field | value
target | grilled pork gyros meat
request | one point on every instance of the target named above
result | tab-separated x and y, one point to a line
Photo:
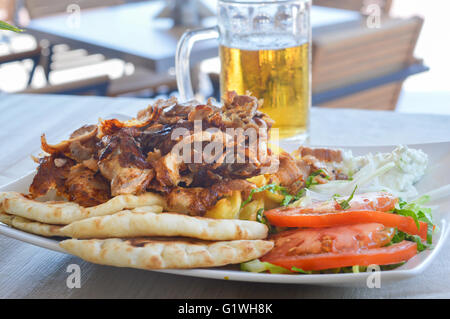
143	154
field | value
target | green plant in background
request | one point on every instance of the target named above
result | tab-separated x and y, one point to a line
6	26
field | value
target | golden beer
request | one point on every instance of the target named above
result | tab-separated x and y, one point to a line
280	77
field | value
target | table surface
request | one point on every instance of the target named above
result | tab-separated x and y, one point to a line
27	271
139	38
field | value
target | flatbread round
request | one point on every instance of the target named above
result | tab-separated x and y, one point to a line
5	218
144	222
30	226
147	253
63	213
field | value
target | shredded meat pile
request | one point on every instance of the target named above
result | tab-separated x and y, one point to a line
295	168
187	152
143	154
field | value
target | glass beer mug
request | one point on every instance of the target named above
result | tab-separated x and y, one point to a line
265	48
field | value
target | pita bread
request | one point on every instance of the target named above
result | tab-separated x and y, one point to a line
63	213
30	226
5	218
147	253
145	223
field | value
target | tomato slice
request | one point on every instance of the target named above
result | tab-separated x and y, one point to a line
364	208
332	239
375	201
293	217
342	246
394	254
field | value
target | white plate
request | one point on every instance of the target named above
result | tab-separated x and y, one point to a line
438	175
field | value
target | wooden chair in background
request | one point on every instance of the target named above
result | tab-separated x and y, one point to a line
350	56
354	66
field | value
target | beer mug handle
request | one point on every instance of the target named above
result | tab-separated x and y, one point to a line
182	65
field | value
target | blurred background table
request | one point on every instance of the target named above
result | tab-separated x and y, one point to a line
137	36
27	271
361	55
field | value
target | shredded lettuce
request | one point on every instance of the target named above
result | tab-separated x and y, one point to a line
355	269
259	266
362	178
295	269
302	202
394	172
273	188
400	236
419	213
6	26
260	217
288	198
310	180
345	204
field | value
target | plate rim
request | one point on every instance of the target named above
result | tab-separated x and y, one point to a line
234	275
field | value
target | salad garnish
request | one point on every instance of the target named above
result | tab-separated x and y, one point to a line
418	212
345	204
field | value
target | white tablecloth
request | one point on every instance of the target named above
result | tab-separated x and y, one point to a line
29	271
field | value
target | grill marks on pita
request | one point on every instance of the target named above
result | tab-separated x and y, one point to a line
63	212
149	222
159	253
31	226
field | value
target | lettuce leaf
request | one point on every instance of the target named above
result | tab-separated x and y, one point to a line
345	204
400	236
274	188
310	180
419	213
6	26
259	266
